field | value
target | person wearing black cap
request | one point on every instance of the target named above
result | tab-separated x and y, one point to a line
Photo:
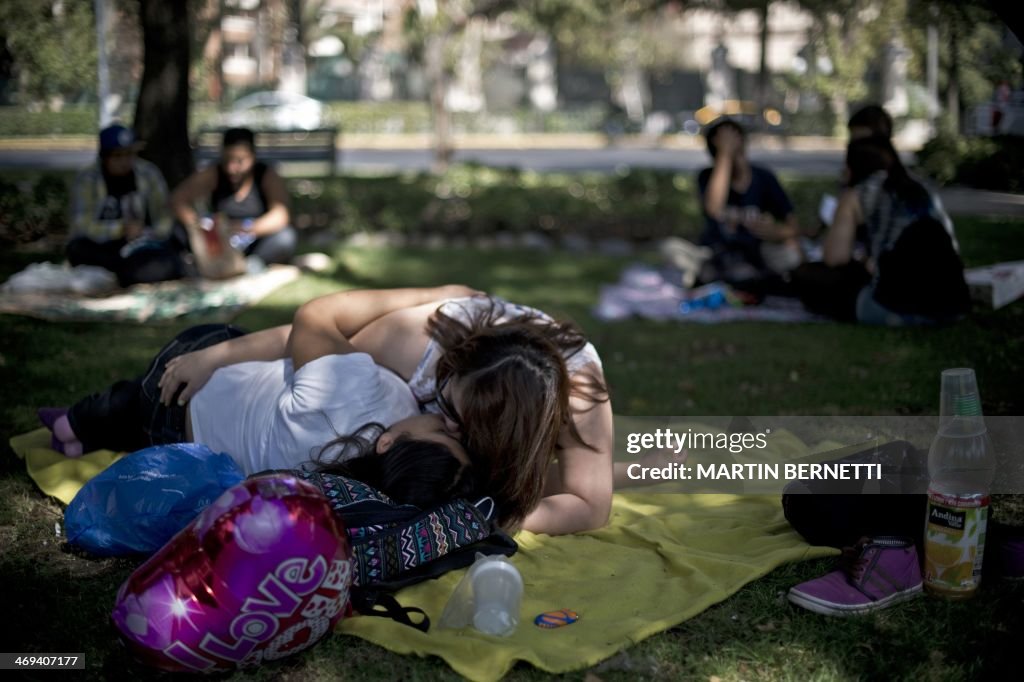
246	192
119	214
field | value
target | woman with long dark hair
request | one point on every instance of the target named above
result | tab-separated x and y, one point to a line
913	270
245	191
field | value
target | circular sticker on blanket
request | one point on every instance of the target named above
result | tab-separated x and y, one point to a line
556	619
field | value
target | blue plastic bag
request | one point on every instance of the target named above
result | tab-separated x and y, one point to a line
142	500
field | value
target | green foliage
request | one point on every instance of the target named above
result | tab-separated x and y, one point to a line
850	34
351	117
71	120
474	200
32	206
994	163
54	47
982	57
638	204
609	35
940	156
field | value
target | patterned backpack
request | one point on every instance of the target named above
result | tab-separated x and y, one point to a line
396	545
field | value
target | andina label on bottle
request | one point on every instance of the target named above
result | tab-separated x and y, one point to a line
954	542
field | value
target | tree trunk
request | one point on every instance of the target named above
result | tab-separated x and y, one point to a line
161	113
762	76
953	81
438	81
840	99
840	109
218	63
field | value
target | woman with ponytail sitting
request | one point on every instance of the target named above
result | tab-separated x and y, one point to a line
913	273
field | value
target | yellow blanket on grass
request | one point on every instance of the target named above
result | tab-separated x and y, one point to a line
664	558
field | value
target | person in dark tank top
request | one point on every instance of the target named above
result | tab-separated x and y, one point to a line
247	192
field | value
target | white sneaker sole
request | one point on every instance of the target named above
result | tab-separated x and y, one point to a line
831	609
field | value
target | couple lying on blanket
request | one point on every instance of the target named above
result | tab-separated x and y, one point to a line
429	393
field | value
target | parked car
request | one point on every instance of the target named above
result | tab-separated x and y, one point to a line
275	110
743	112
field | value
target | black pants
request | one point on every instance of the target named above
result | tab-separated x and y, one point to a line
129	415
825	513
830	291
150	264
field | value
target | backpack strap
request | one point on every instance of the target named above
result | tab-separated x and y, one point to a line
369	602
487	507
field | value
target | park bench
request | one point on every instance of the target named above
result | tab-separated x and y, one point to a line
293	152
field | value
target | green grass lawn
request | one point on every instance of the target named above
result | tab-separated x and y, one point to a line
58	601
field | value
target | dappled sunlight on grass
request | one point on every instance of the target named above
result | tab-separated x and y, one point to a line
653	369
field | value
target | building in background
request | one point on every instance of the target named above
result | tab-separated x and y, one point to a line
291	45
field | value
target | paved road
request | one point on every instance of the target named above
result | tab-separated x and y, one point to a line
608	159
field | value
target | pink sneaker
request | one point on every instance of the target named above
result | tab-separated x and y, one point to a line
874	574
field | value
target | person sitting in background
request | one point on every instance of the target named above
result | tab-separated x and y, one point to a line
119	216
246	192
874	121
749	220
913	272
870	120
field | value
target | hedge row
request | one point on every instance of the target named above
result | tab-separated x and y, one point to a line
468	200
352	117
993	163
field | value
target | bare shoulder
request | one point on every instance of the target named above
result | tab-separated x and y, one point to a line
397	340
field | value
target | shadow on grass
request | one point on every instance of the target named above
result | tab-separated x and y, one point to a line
61	602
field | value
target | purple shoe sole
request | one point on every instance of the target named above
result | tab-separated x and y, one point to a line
827	608
49	416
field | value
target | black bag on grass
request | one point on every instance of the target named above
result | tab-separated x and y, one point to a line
830	291
395	545
838	513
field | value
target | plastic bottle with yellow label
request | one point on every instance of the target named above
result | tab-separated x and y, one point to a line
961	466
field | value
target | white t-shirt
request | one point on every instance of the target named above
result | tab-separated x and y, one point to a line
267	416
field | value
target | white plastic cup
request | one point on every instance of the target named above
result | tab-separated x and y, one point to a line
959	394
497	595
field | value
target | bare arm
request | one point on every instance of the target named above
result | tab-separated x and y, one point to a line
771	230
196	187
398	340
838	246
727	142
347	311
315	333
277	216
194	369
352	311
717	193
580	496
